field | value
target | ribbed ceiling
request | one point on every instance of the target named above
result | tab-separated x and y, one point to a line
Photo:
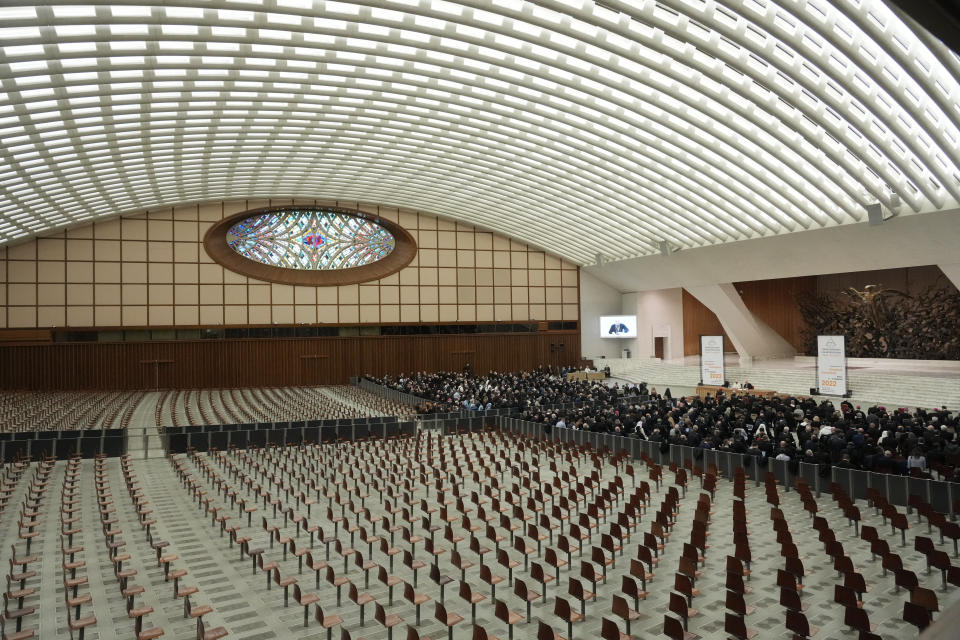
580	127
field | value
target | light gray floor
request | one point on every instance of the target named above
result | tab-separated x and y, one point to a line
249	611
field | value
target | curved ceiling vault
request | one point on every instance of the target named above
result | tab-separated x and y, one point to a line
577	126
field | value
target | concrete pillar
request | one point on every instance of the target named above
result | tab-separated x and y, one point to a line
752	337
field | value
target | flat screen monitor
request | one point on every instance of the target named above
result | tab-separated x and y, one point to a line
618	326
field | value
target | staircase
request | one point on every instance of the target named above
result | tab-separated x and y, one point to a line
869	387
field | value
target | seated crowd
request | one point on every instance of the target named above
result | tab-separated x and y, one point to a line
780	427
456	391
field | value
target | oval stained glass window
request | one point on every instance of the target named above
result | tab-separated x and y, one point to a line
306	245
311	240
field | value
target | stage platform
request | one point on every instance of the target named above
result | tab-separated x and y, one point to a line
907	383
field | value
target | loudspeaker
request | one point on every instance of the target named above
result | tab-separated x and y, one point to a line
665	249
875	214
813	391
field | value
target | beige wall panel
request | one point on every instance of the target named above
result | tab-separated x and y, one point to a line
80	232
448	295
22	294
20	317
186	315
52	272
283	313
465	258
161	294
448	313
571	312
211	273
80	295
24	251
484	277
305	313
134	272
211	294
369	313
106	249
210	212
327	295
159	230
349	294
539	312
79	316
554	312
133	294
51	294
413	313
79	272
133	251
459	274
188	294
51	316
106	294
235	314
186	252
107	230
134	229
107	316
282	294
427	239
484	313
211	314
237	294
389	313
427	257
21	271
52	249
259	314
349	314
446	257
160	272
160	252
389	295
106	272
327	314
77	250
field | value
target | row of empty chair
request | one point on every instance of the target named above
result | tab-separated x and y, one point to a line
238	406
55	410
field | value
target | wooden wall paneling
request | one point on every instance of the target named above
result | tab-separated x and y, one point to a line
699	320
775	302
270	362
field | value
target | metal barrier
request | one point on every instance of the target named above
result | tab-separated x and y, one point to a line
896	489
63	444
242	436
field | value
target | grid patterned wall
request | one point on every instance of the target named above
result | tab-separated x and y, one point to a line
151	269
